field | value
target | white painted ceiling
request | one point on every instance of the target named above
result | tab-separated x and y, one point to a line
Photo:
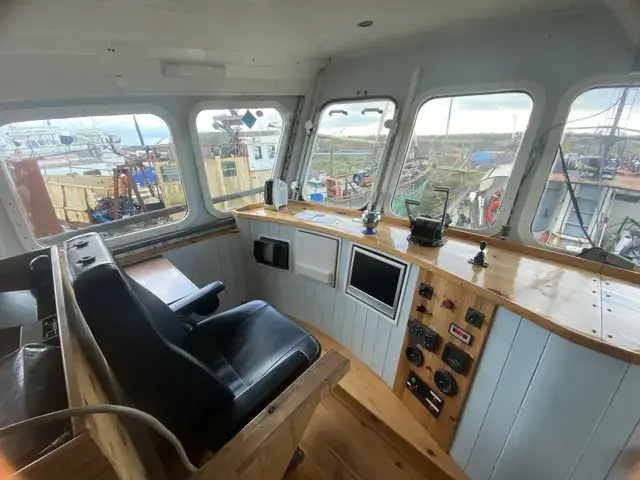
127	41
268	28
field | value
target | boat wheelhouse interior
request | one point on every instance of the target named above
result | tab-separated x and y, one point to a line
320	240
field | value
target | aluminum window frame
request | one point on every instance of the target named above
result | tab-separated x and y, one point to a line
281	152
538	98
10	199
543	170
386	152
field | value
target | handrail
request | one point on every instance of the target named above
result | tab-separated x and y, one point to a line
122	222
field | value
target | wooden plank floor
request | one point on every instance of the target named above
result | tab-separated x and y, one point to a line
363	431
339	444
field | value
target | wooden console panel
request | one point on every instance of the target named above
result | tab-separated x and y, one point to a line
581	301
449	304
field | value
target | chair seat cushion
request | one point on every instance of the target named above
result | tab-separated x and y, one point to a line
246	343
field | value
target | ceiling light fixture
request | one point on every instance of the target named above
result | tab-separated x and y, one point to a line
365	23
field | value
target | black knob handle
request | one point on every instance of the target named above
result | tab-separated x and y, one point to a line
483	245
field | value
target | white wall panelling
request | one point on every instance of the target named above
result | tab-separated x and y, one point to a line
497	349
543	407
534	410
218	258
369	334
515	378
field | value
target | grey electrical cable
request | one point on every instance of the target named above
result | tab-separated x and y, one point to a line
104	409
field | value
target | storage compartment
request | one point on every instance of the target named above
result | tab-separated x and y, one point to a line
316	257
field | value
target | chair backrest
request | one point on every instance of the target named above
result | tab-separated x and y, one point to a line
140	338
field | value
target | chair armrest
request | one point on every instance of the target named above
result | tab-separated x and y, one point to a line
203	302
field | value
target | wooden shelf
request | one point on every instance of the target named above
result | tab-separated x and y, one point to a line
561	293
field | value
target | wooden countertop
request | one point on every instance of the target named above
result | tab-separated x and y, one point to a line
161	278
580	304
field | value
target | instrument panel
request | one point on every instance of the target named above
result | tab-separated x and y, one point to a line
445	335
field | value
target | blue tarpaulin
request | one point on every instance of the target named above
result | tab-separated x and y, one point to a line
139	179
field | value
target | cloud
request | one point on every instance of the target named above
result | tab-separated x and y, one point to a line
204	120
495	101
153	128
596	99
486	113
333	121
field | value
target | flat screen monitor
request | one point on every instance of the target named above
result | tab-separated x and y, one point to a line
376	280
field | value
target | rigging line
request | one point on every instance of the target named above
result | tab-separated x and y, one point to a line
572	195
566	122
537	149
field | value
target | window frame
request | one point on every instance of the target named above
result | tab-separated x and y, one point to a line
538	98
543	170
9	197
230	166
386	153
282	148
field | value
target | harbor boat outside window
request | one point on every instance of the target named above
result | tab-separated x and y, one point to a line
347	152
468	144
601	152
74	173
239	150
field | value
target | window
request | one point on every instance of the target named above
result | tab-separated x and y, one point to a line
74	173
231	142
229	169
170	173
347	150
272	151
601	152
468	144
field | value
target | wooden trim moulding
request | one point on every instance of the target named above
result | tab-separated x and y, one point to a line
497	297
524	249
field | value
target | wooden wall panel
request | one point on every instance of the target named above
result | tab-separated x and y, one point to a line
370	335
439	317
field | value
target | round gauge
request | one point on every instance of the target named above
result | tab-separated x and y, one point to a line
445	382
414	355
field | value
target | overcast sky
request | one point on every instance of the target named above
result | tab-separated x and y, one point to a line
601	105
503	112
489	113
264	116
154	129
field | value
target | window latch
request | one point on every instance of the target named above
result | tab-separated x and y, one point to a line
308	127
